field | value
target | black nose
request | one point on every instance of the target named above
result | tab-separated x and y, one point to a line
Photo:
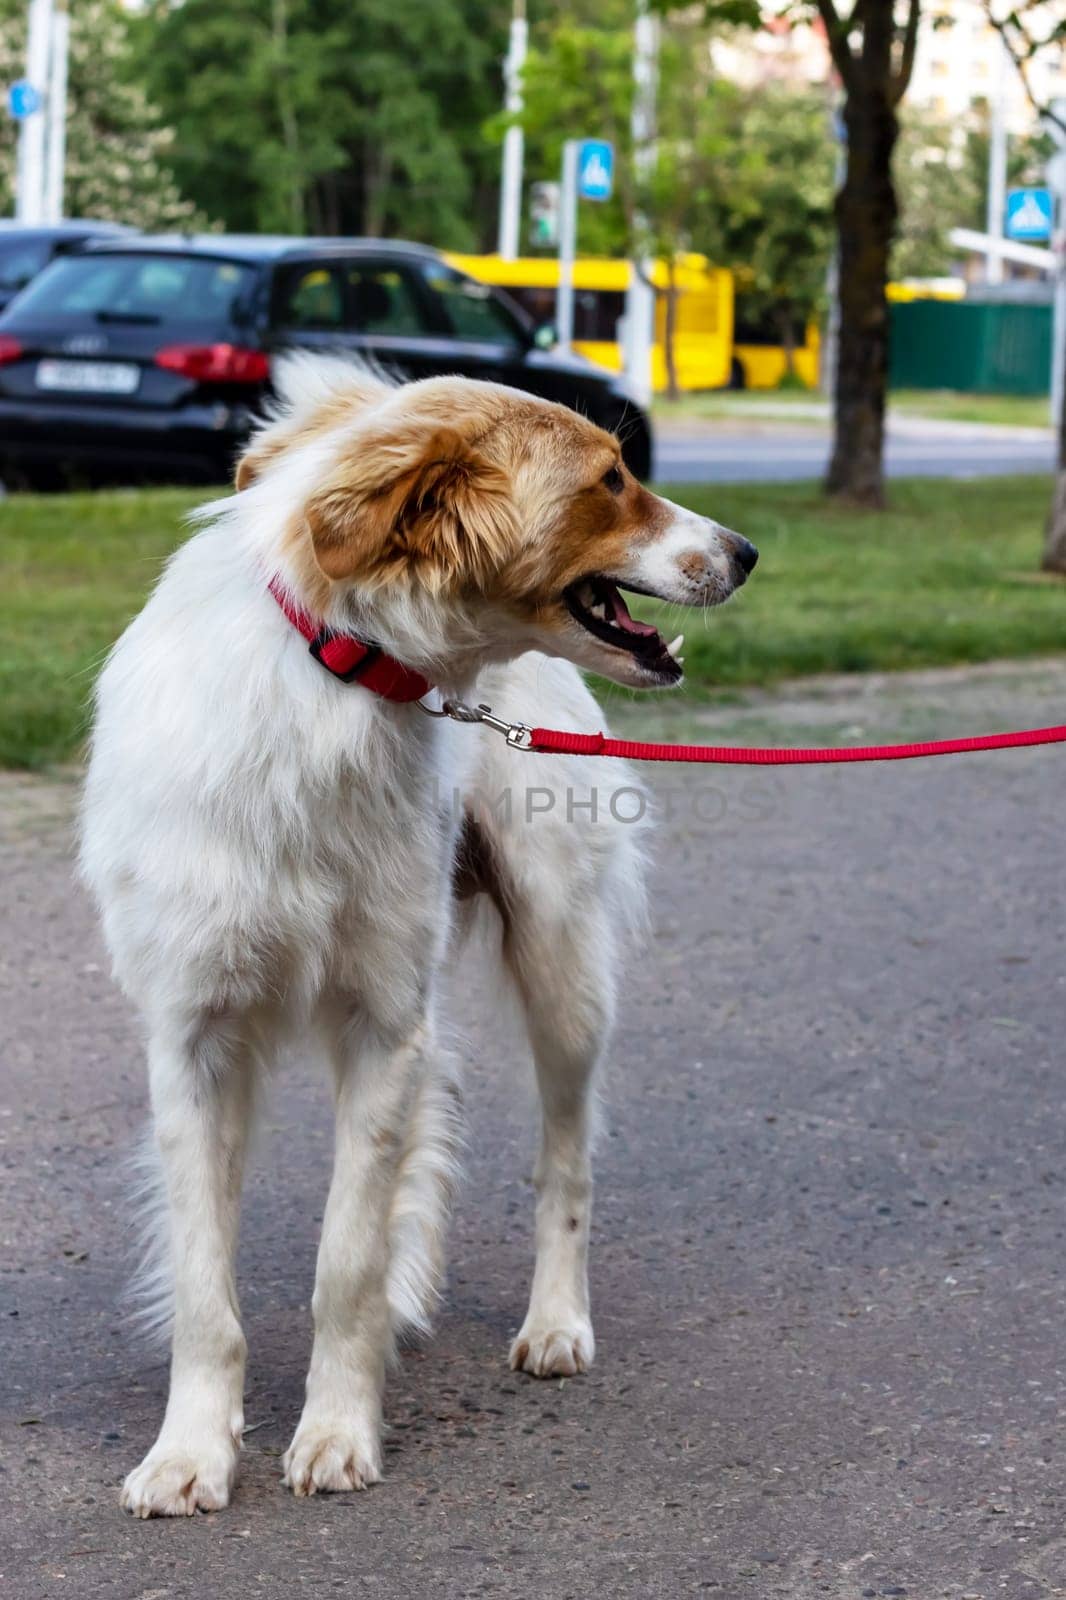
746	555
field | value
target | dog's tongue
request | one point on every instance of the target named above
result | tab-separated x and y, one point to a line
622	619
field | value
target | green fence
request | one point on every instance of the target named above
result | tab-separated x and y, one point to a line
979	348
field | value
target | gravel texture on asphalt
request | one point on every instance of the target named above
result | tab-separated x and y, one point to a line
828	1244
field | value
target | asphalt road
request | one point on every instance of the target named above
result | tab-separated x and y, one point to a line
829	1241
750	450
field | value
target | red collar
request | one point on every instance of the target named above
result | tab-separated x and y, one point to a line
350	659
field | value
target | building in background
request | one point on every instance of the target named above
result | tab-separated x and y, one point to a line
958	63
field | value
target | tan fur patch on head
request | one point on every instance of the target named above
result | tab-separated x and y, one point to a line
406	501
358	391
461	488
591	530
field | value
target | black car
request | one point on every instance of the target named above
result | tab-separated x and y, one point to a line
151	357
26	251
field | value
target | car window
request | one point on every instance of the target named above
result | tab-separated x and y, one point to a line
382	299
21	260
163	288
472	310
310	296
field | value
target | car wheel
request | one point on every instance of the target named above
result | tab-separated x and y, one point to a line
738	378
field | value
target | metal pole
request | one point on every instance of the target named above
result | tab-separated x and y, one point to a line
639	331
1055	125
57	114
564	295
513	142
1057	175
29	199
997	165
1058	332
827	376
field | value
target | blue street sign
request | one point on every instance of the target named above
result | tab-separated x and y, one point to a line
23	99
1029	214
595	169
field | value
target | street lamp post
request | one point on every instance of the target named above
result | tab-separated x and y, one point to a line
33	129
56	113
513	143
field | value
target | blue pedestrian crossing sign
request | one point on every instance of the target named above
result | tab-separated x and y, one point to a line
23	99
1029	214
595	169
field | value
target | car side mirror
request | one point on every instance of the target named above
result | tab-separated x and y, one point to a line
545	337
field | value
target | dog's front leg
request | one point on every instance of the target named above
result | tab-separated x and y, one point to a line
200	1075
337	1444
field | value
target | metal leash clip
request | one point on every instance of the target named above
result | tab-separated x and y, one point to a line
518	736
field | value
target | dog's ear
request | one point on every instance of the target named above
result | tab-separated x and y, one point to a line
252	463
424	502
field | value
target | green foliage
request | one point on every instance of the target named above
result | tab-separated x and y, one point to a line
578	82
744	177
773	200
334	116
947	579
118	148
941	173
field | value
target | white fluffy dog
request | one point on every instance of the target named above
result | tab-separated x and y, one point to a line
270	836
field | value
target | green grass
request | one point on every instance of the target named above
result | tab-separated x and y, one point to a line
1016	410
715	404
75	568
942	405
948	575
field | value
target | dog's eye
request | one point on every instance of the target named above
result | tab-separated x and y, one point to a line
613	480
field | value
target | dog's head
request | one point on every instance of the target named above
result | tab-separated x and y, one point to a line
514	516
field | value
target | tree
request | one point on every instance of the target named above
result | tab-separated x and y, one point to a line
744	178
774	212
335	116
872	44
118	147
1027	31
942	174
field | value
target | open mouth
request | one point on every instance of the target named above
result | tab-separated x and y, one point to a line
597	604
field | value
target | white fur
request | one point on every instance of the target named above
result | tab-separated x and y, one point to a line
660	567
271	851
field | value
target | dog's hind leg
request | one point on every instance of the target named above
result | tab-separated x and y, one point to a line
565	974
201	1080
557	846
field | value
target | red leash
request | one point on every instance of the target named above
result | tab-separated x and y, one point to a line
544	741
596	744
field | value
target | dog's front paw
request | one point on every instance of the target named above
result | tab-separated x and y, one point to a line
179	1480
331	1457
554	1351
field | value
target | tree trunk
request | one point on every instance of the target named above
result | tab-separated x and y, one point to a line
673	388
866	220
1055	541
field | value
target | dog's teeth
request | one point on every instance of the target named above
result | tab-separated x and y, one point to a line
675	645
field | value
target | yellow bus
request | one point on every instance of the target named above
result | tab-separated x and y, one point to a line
721	340
760	359
703	330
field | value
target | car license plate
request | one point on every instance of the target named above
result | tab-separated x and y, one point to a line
88	377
